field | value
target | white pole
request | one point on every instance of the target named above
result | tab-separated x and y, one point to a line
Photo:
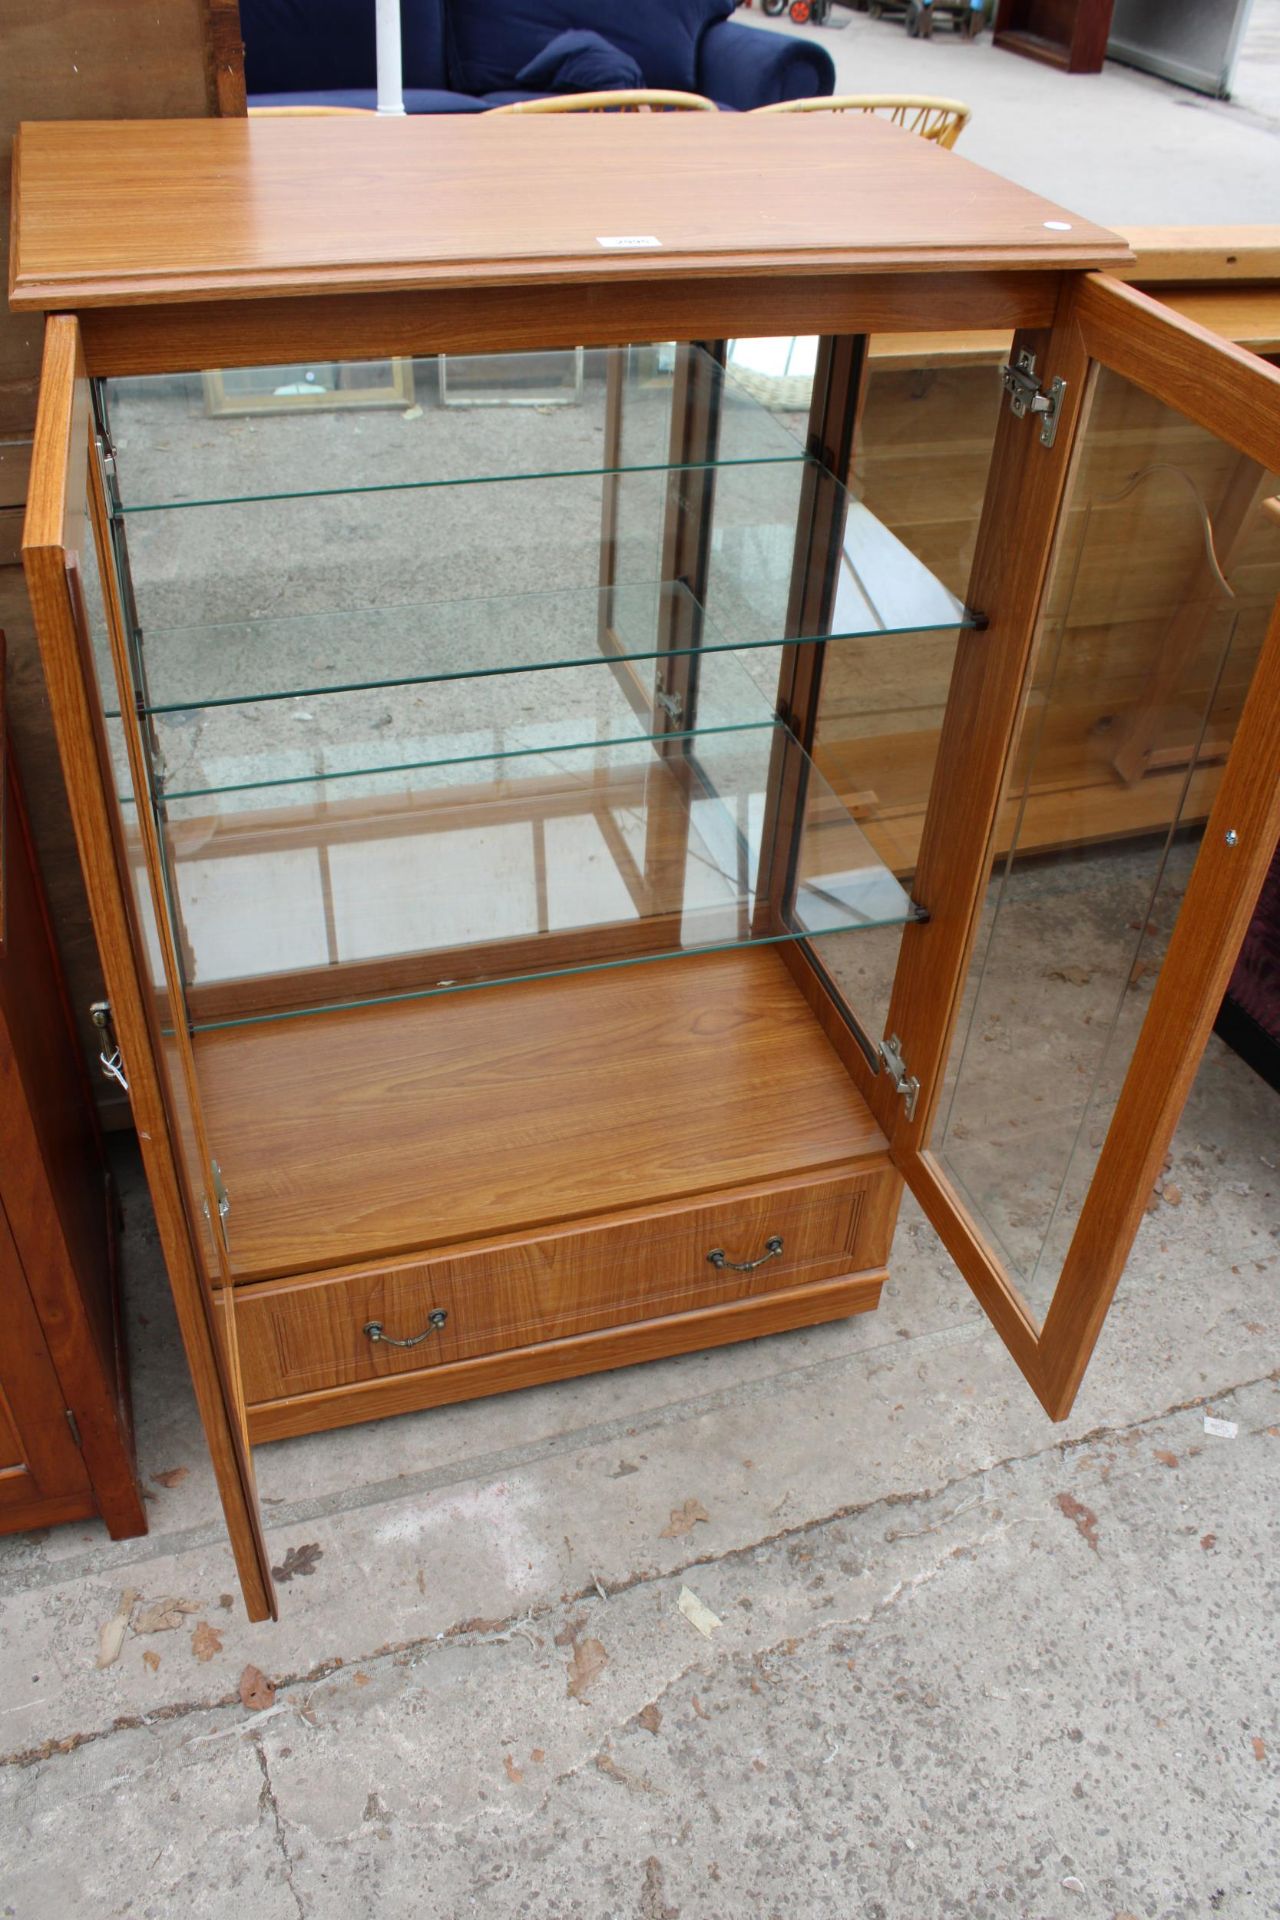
390	63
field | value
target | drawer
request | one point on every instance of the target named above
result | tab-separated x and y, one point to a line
304	1335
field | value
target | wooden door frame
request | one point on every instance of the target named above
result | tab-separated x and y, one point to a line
1235	396
56	530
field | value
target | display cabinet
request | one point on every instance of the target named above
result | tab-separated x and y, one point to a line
512	973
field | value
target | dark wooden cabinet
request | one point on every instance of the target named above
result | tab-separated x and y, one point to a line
66	1449
1063	33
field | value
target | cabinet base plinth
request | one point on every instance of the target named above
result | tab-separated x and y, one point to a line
564	1359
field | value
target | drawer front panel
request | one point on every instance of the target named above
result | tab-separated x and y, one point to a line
301	1336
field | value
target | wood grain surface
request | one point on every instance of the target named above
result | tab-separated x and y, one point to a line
355	1135
1238	846
1224	388
151	210
55	532
305	1335
532	1366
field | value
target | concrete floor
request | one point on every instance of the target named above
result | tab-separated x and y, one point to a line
966	1664
1120	147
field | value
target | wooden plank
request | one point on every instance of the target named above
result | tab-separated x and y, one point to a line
1186	254
178	338
492	1110
567	1359
145	211
1227	390
1250	315
55	531
1216	910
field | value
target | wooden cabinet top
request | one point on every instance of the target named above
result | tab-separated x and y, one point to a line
114	213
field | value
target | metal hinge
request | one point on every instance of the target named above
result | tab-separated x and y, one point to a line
1026	396
671	704
223	1199
74	1425
905	1083
110	478
109	1053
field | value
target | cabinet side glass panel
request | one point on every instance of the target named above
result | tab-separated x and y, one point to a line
921	456
166	1013
1166	573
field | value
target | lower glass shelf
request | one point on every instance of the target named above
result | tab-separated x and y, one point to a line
556	862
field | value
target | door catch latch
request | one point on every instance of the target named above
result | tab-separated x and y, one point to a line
109	1052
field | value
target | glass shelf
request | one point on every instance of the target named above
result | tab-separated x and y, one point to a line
881	589
548	863
240	757
195	440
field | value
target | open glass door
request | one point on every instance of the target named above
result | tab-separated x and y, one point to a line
82	626
1130	829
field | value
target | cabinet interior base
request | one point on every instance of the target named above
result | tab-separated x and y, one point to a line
365	1133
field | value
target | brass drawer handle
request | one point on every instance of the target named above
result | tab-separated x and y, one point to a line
719	1258
435	1320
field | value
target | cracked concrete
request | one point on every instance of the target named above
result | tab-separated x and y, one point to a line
951	1704
968	1662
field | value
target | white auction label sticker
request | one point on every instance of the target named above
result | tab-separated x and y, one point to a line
1225	1429
628	240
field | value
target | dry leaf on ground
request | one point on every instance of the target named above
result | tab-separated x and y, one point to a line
152	1660
515	1774
171	1477
111	1633
257	1692
1074	976
650	1717
299	1560
684	1519
162	1616
586	1663
206	1641
697	1613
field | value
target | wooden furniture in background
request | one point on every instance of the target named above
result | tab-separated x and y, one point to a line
130	59
924	442
441	1162
1062	33
66	1443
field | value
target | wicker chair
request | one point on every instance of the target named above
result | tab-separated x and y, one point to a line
623	100
941	121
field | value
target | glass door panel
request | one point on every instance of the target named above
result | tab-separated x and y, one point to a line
1132	824
1167	567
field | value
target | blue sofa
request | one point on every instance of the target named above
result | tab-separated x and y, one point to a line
463	56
